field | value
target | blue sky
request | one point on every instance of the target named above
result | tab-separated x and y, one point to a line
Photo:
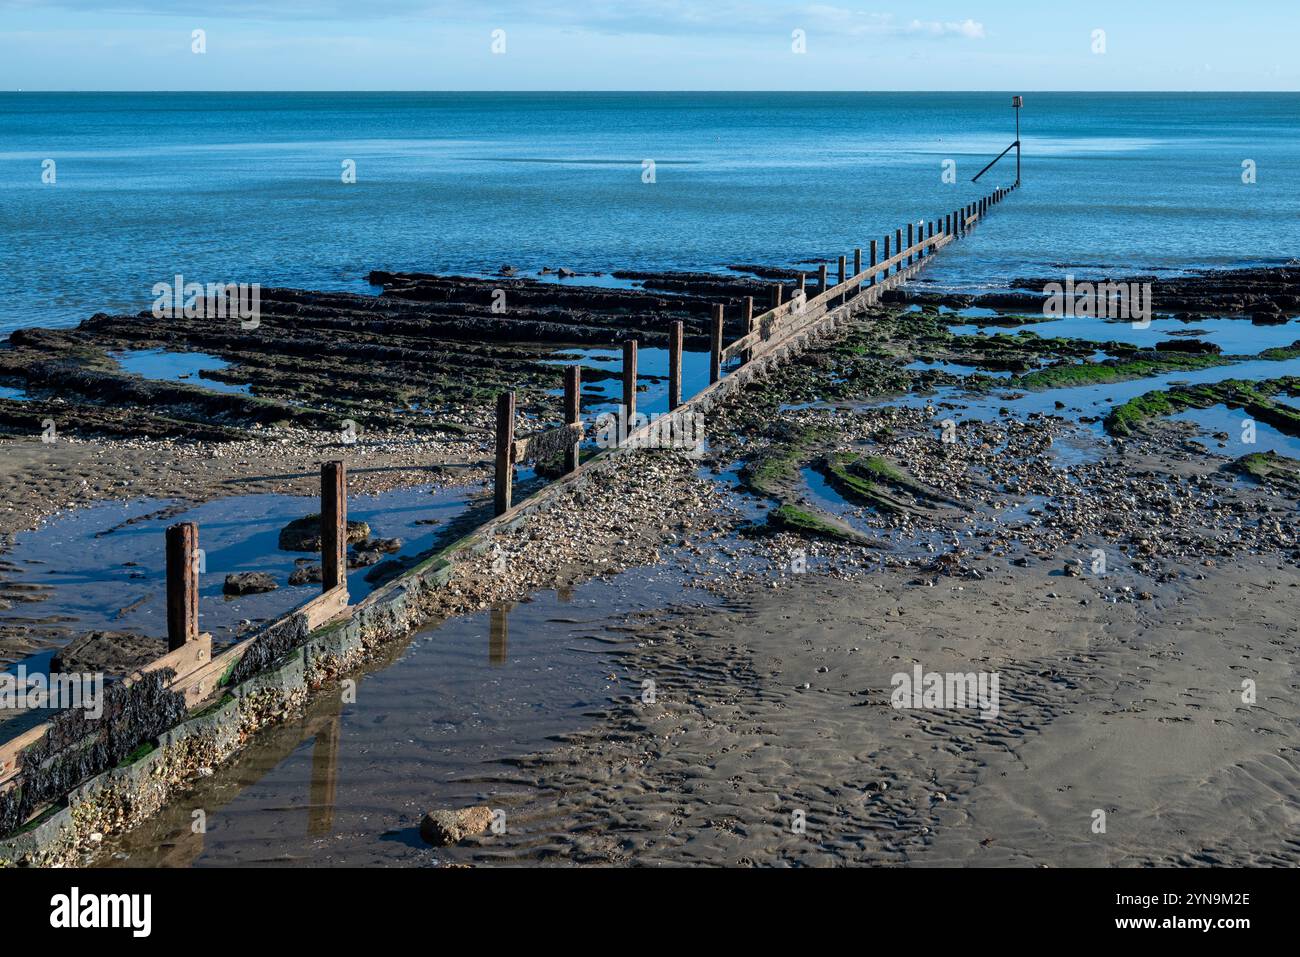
647	45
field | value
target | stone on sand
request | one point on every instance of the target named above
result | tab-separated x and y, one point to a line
248	583
443	827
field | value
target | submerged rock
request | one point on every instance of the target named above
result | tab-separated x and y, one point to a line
441	828
248	583
303	534
108	652
306	574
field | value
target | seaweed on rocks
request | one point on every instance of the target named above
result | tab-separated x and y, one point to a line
78	746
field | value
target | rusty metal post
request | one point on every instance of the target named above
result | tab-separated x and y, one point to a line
182	584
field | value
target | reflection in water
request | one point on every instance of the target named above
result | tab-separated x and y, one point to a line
324	777
432	721
499	632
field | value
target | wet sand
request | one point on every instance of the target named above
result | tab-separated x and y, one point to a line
782	703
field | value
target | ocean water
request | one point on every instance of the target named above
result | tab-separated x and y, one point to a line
248	187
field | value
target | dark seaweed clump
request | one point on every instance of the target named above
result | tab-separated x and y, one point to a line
77	747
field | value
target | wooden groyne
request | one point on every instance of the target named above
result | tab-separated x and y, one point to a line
71	776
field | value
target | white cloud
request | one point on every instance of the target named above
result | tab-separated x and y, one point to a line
968	28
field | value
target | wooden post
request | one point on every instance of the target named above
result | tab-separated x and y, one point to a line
777	290
931	237
857	260
843	267
898	251
910	241
629	381
747	314
573	415
821	279
333	525
675	364
505	471
715	346
871	280
803	284
182	584
886	274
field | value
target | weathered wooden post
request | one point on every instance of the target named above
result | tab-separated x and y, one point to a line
777	290
898	251
857	263
747	314
629	381
821	279
803	286
843	266
182	584
871	280
675	365
573	415
333	525
886	273
505	469
910	241
715	346
931	237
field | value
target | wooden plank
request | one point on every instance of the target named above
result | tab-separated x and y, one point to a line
10	750
324	607
189	657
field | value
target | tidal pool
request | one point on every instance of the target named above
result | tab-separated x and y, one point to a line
160	365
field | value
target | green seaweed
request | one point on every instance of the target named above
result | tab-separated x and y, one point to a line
1255	398
1117	370
791	518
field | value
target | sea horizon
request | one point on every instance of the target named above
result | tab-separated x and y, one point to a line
471	181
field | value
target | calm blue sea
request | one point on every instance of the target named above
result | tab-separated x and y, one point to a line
247	187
